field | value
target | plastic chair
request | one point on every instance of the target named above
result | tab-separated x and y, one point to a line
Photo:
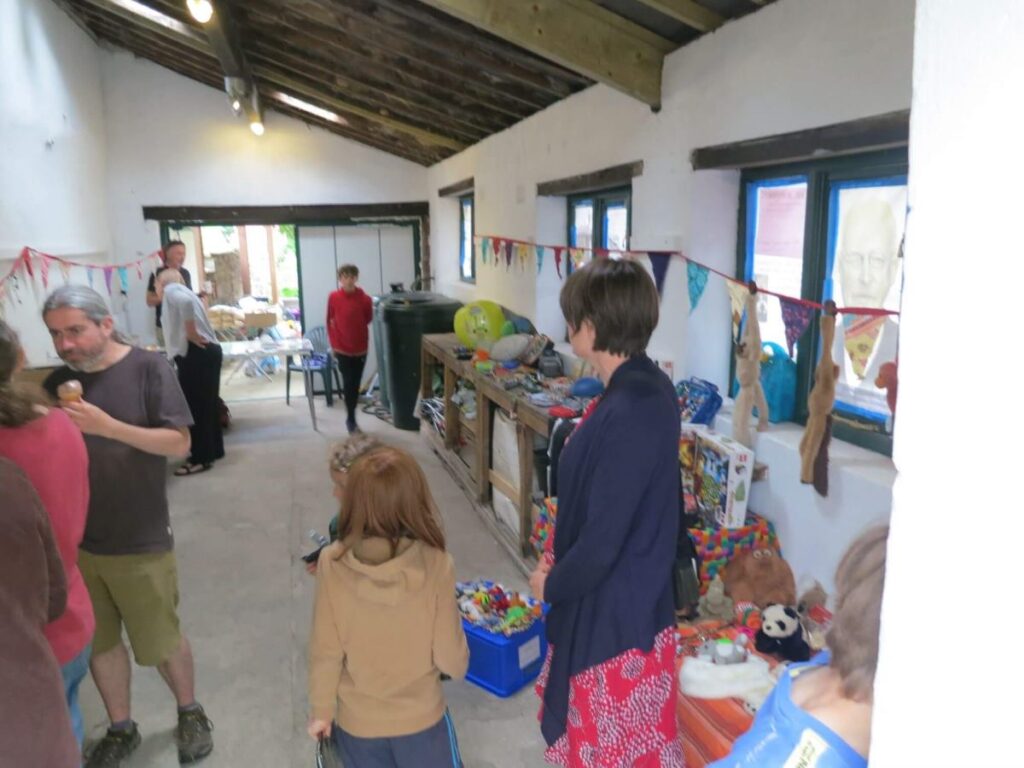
322	361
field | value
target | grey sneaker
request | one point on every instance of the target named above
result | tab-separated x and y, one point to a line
194	736
113	748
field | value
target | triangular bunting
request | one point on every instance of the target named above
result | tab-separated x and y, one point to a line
484	242
138	269
88	274
659	266
860	334
738	293
697	278
600	253
44	270
122	274
508	254
540	258
108	274
797	318
558	261
65	271
27	258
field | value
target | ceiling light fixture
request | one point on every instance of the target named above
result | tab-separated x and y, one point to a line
257	127
201	10
305	106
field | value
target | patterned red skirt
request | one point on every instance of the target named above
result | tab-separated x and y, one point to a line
622	713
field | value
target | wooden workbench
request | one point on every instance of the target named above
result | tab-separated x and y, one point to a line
471	466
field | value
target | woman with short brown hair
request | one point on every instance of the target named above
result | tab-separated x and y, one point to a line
609	684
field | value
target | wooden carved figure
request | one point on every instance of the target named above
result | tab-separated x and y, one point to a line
821	399
748	372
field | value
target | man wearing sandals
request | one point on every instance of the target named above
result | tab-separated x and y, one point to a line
192	342
133	416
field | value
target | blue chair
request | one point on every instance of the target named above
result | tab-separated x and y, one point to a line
321	361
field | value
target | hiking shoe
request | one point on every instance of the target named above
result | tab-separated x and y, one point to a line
113	748
194	736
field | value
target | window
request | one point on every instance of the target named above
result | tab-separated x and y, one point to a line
600	220
832	229
467	253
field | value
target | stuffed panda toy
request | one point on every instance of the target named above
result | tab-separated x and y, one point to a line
782	634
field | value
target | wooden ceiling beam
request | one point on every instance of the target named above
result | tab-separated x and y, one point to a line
471	94
577	34
320	21
691	13
192	38
384	94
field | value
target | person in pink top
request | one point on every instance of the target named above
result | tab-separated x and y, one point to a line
45	444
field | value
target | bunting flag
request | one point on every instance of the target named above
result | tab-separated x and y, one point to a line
138	269
65	271
108	274
697	277
659	266
600	253
558	260
122	273
578	256
483	249
797	318
508	254
44	271
540	258
860	334
25	257
738	293
88	274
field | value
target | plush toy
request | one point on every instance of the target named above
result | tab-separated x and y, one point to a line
748	373
725	651
819	406
888	380
813	596
760	576
715	604
782	634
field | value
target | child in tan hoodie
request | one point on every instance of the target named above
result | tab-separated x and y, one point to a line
386	624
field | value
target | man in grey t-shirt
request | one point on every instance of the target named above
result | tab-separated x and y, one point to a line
133	416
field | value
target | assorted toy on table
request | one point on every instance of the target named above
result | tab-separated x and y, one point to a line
782	634
715	604
544	526
748	372
488	605
760	576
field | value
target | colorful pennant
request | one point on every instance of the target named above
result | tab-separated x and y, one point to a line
860	334
540	258
797	317
659	266
697	277
108	274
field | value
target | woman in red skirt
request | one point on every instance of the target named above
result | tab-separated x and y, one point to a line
608	685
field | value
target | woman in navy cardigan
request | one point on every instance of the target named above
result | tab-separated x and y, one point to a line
609	684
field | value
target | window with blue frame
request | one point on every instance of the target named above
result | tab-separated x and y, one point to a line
467	252
600	220
832	229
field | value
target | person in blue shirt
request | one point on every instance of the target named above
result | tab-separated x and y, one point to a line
819	714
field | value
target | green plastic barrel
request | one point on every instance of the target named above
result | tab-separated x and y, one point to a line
406	318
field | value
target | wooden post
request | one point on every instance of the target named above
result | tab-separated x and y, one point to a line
483	445
451	411
426	278
524	436
243	254
273	264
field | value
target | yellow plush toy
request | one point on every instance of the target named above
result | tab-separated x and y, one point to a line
748	372
819	406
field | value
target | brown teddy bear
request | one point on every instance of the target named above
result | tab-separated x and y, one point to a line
748	373
760	576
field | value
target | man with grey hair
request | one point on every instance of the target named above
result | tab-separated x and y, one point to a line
133	416
190	338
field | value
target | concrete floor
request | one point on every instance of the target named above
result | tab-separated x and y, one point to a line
246	598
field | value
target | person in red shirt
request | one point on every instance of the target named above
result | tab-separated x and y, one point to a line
45	445
349	311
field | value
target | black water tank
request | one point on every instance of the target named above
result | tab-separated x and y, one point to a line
407	317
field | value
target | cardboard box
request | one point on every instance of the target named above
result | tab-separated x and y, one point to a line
266	319
723	472
687	459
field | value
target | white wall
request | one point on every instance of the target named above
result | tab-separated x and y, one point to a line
173	141
795	64
52	149
954	546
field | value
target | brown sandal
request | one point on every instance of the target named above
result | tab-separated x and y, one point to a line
191	469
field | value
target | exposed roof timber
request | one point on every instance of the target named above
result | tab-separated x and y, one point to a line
689	12
197	66
194	39
386	53
576	34
281	214
606	178
224	38
463	187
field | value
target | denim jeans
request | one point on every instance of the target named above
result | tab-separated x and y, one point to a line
74	673
436	747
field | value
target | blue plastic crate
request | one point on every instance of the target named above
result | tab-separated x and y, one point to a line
503	665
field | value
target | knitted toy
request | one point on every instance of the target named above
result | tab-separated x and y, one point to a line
760	576
748	372
819	404
715	604
888	380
